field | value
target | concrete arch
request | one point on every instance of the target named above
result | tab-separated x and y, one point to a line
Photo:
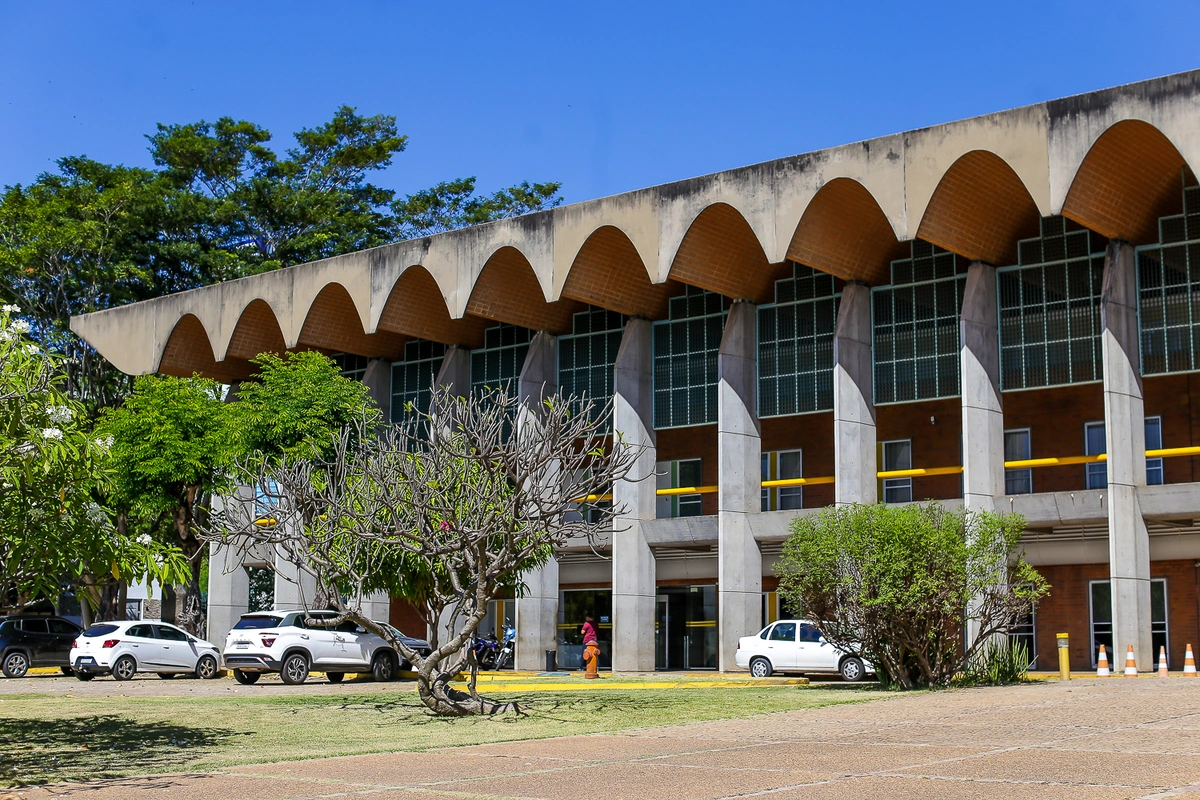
188	351
416	307
980	209
844	232
507	290
721	253
608	272
332	323
256	331
1129	178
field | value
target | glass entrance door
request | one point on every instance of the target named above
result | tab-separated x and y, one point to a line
685	629
1102	622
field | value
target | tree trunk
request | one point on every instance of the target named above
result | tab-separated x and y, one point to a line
188	613
444	700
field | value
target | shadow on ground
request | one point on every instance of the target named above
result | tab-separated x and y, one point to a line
34	751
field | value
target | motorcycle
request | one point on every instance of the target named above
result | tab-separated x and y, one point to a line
508	646
486	649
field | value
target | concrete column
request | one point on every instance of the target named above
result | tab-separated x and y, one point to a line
228	592
982	409
378	380
455	371
1125	432
739	454
537	611
294	588
854	462
633	566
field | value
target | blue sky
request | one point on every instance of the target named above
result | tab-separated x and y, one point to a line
604	97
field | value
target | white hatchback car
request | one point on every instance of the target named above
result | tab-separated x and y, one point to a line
127	648
795	645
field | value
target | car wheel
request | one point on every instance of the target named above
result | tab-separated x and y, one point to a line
335	677
67	671
206	668
124	668
295	669
166	676
383	667
84	676
246	678
760	668
852	669
16	665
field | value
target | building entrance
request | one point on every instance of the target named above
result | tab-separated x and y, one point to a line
685	627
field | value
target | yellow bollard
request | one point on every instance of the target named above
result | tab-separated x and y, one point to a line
1064	657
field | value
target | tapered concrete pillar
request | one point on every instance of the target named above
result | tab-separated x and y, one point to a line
739	455
633	565
982	409
228	591
378	379
853	401
294	588
1125	432
537	611
455	372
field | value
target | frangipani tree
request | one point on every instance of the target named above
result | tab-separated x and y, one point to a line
447	510
54	475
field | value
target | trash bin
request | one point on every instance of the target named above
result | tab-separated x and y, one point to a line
551	661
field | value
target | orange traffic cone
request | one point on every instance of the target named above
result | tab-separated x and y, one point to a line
1189	663
1162	661
1102	664
1130	664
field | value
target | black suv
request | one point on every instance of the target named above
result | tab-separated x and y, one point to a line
33	641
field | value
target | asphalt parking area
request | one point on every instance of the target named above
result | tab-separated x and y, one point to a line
1083	739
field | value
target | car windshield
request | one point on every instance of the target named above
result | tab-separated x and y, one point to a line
255	623
100	630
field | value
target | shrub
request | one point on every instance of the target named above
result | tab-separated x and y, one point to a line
901	585
997	663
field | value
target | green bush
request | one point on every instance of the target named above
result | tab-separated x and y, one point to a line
999	662
902	584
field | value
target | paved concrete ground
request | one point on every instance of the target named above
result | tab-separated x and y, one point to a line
1084	739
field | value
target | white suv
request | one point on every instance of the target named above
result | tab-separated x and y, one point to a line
127	648
281	641
795	645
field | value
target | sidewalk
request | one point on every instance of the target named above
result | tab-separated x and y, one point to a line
1090	740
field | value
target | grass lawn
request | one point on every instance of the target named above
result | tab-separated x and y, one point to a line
56	738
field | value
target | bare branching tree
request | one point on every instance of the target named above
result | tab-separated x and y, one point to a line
447	509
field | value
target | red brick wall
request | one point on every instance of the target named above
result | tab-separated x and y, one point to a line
812	433
403	616
699	441
1056	418
1065	610
934	444
1170	397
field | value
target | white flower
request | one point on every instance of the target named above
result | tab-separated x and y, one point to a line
144	539
20	326
105	443
60	415
10	309
52	433
6	336
31	349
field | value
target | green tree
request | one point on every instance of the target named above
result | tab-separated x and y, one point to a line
296	405
53	473
454	204
174	442
901	584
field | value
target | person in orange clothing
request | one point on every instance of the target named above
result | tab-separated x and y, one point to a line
591	647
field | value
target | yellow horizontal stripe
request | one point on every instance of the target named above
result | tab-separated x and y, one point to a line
1168	452
797	482
686	490
912	473
704	623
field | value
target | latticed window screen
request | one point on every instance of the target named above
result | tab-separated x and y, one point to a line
685	359
795	345
412	378
587	358
1050	308
915	323
1169	289
351	366
498	363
